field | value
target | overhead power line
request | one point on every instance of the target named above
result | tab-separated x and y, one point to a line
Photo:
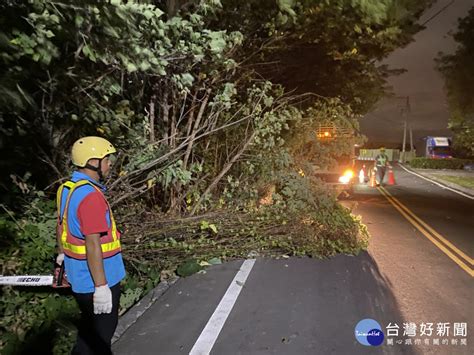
438	13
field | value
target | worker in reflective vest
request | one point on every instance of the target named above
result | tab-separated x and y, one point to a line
89	245
381	163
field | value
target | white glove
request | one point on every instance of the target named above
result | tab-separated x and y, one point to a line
102	300
60	259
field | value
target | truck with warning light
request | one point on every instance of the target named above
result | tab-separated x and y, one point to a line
340	175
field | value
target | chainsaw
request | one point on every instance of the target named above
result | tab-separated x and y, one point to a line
57	280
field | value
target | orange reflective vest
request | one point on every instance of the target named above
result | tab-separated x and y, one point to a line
75	247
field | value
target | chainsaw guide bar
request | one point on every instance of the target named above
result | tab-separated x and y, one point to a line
27	280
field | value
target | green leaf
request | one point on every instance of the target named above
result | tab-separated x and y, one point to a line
204	225
287	6
218	42
215	261
79	20
130	297
145	65
131	67
187	79
111	31
213	228
148	14
162	71
89	53
158	12
190	267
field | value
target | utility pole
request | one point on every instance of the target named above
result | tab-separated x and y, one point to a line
405	110
404	135
408	110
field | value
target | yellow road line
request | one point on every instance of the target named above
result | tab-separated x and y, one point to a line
427	235
435	233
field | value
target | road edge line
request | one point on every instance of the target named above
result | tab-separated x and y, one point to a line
211	331
440	246
436	183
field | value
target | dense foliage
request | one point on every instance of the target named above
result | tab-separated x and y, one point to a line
213	106
326	47
458	71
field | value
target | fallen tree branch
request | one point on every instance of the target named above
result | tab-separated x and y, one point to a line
223	172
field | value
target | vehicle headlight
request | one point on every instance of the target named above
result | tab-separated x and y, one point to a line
346	178
349	174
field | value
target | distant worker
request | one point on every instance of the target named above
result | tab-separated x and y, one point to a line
89	245
381	164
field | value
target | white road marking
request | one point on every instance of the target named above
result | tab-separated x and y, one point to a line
208	337
437	183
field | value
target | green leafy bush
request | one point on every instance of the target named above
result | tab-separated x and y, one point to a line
28	246
316	225
42	319
426	163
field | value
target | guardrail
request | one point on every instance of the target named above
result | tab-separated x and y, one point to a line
370	154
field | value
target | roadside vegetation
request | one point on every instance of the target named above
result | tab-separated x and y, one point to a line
213	106
428	163
464	181
458	71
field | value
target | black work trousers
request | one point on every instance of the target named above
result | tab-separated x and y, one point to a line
381	170
95	331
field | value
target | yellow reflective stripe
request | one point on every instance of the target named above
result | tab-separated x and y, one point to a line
64	236
66	208
81	249
114	226
59	195
64	233
111	246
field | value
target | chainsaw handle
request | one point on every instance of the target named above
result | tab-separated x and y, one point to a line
59	280
59	277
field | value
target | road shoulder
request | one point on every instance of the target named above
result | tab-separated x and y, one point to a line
434	175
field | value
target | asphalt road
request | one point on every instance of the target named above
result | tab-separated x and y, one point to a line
308	306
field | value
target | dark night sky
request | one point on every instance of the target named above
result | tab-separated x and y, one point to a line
421	82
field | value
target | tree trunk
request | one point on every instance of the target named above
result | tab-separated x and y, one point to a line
173	129
165	113
171	7
190	124
152	119
196	127
223	172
